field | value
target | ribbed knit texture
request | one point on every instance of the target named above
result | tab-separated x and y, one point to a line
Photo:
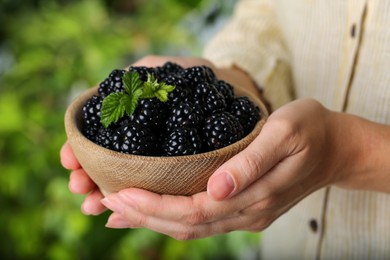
337	52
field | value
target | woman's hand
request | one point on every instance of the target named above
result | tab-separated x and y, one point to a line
300	149
80	183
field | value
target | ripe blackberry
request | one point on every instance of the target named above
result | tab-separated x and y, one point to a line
185	115
226	90
179	95
182	141
174	79
151	113
172	67
198	74
246	112
91	113
104	137
178	126
168	69
209	98
135	139
143	71
220	130
113	83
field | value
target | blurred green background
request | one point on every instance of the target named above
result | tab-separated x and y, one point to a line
49	52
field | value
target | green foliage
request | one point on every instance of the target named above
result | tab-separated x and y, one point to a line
49	52
116	104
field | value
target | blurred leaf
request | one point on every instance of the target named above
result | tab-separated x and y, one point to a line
11	116
54	49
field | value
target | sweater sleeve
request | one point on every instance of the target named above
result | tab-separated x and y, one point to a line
252	41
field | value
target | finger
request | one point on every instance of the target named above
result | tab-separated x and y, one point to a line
185	209
116	220
176	208
68	159
132	218
92	204
196	209
80	183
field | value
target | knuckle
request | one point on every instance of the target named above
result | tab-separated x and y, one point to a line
252	161
195	218
260	225
264	205
196	214
136	220
285	128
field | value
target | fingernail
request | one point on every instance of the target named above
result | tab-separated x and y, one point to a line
221	185
117	221
85	209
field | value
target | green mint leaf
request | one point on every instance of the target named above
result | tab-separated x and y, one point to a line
132	82
112	109
134	89
153	89
167	88
130	102
116	105
150	87
162	95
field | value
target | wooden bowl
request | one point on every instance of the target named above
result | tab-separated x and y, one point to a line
177	175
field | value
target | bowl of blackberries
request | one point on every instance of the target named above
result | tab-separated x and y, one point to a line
165	129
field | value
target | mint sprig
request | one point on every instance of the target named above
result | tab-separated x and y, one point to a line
117	104
160	90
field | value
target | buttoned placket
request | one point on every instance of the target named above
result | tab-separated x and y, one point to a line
315	225
357	13
357	10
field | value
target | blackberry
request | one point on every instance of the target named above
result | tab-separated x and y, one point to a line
185	115
221	130
209	98
198	74
91	113
174	79
202	114
181	93
113	83
135	139
151	113
226	90
104	136
143	71
169	69
246	111
182	141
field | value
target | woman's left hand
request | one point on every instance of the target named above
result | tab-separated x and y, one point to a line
294	155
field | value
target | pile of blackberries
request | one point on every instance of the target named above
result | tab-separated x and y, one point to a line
202	114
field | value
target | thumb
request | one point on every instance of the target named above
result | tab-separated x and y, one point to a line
246	167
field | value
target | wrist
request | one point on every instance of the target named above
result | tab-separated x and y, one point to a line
363	147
